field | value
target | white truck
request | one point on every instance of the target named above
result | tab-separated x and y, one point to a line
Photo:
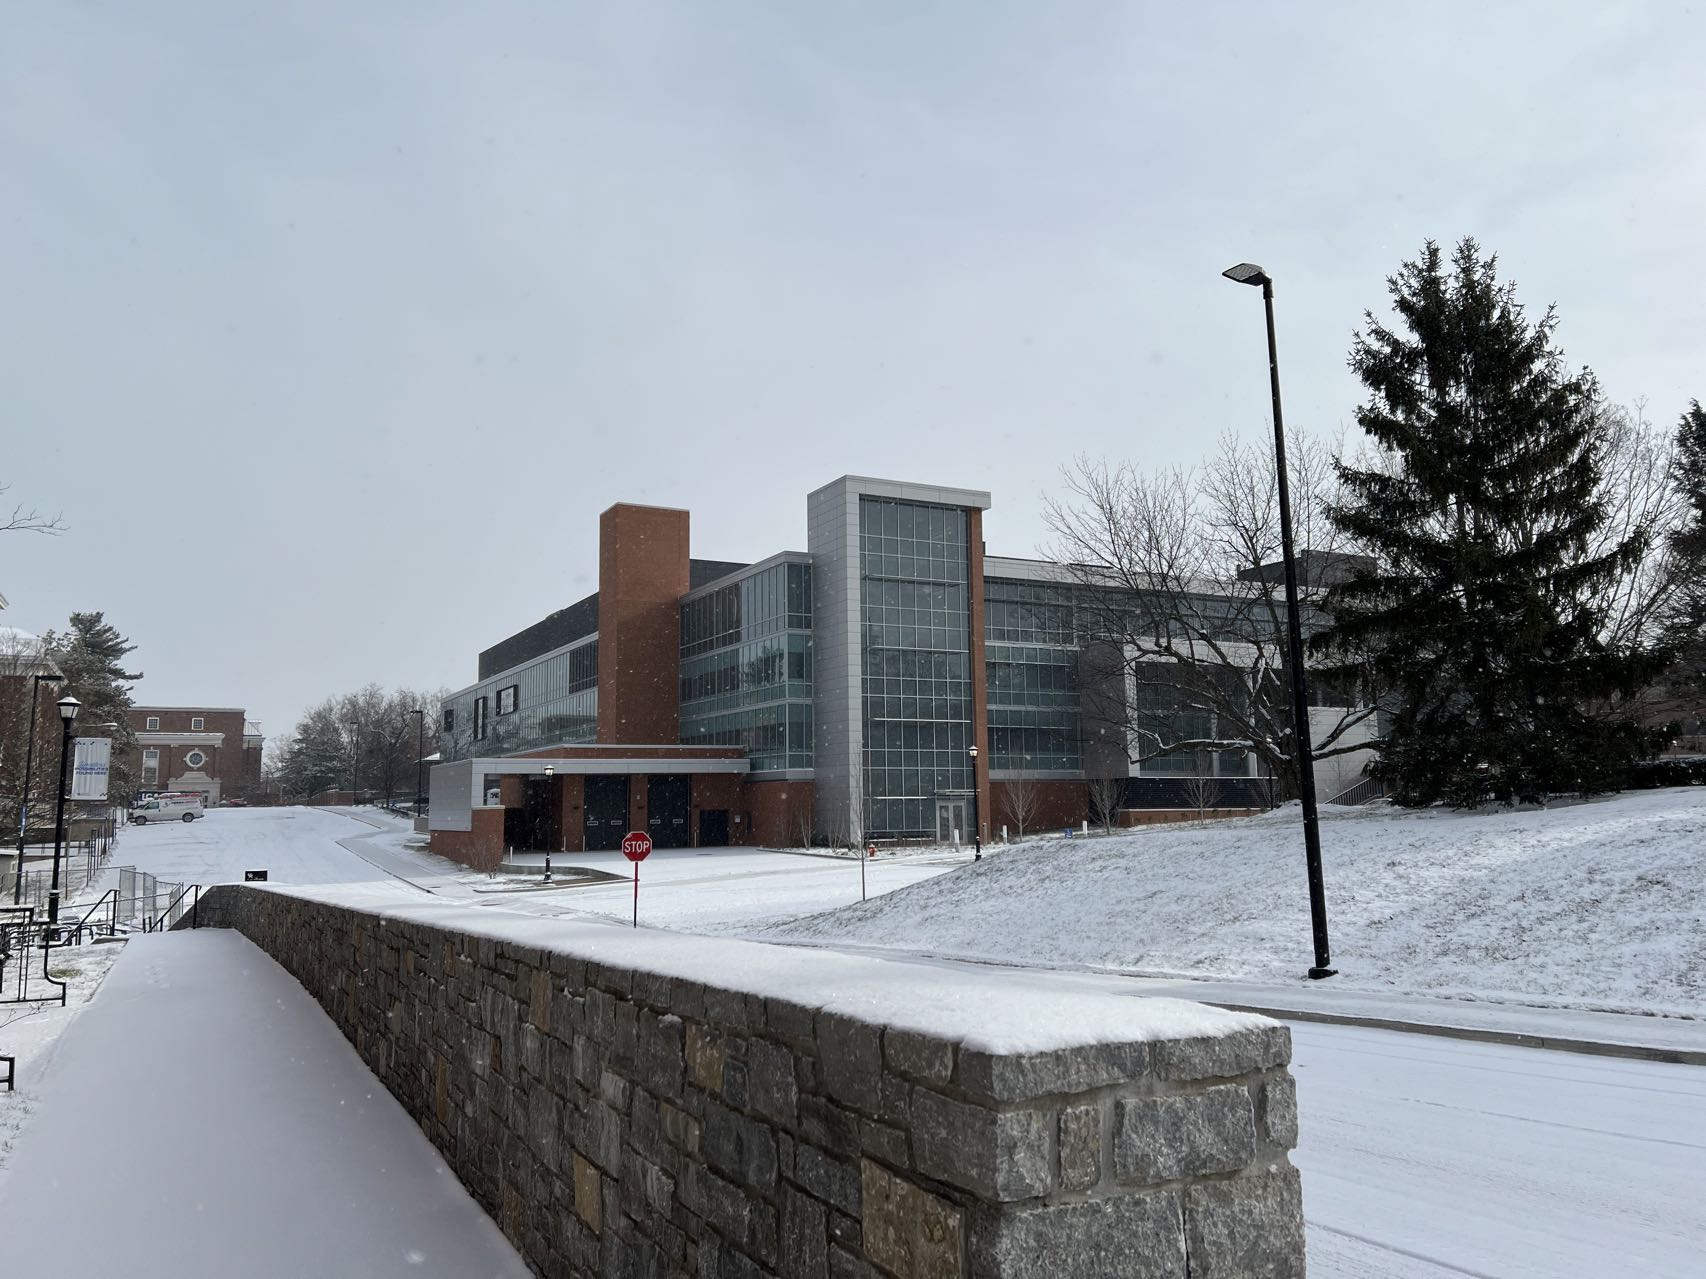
165	808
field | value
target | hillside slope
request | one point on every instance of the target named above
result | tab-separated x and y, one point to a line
1596	905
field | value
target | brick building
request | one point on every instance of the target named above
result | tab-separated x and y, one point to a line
834	692
210	749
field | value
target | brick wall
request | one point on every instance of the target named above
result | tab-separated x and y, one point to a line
654	1121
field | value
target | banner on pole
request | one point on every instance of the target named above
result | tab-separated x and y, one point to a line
90	763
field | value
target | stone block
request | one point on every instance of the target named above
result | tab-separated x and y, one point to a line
770	1087
1126	1237
743	1148
1276	1111
705	1057
1246	1228
835	1181
1242	1052
805	1237
587	1202
907	1230
1183	1135
1080	1147
1005	1155
660	1060
921	1057
826	1124
851	1053
1024	1076
885	1144
539	1001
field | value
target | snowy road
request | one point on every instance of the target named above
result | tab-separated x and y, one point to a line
1422	1157
1430	1158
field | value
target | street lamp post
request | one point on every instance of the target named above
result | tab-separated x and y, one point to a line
420	762
976	824
354	763
68	708
550	776
24	801
1253	275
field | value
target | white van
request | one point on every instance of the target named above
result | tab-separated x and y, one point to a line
166	808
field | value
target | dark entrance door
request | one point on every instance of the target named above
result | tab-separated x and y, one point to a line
667	802
713	827
539	815
606	812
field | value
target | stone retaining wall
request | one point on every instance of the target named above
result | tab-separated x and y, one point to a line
617	1122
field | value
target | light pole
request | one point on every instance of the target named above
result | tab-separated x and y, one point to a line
68	708
976	825
24	801
420	761
1251	274
354	762
550	776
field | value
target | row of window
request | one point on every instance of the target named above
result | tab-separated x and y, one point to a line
152	724
774	737
777	599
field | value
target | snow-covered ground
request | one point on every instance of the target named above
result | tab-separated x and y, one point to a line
1435	1159
1421	1157
29	1031
208	1118
1591	905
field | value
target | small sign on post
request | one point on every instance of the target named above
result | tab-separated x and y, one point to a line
636	847
253	876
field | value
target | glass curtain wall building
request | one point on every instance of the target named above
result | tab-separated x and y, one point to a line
746	665
916	658
549	701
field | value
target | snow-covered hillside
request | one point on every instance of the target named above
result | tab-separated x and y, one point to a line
1599	904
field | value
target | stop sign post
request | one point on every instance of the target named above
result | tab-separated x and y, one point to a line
636	847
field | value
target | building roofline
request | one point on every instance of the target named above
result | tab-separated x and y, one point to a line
218	710
907	491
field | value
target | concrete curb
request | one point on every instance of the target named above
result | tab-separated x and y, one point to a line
1516	1038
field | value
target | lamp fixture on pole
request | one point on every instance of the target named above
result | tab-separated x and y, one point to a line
976	823
1253	275
68	708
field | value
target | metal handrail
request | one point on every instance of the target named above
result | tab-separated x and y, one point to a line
112	924
1368	788
157	923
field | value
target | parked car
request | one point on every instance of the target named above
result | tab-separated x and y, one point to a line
165	808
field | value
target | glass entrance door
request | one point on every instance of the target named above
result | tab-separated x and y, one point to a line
950	820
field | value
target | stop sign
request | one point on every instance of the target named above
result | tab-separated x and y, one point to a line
636	844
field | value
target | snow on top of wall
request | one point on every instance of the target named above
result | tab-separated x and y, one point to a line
1001	1012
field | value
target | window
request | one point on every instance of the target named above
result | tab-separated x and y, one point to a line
153	724
479	719
151	764
195	759
196	722
506	699
450	719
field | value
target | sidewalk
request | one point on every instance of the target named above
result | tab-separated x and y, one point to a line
202	1102
1600	1034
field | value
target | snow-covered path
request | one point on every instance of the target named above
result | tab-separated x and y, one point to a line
209	1116
1430	1158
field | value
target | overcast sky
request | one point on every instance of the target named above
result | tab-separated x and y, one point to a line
330	328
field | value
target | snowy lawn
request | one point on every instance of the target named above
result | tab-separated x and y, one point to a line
1590	905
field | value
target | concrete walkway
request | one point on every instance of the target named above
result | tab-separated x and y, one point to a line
203	1117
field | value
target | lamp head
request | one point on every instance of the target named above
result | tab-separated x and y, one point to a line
973	752
550	770
68	708
1247	273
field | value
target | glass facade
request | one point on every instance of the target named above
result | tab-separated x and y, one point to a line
1031	656
746	667
916	662
551	701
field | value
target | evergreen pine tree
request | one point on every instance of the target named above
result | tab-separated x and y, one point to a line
91	656
1687	619
1478	621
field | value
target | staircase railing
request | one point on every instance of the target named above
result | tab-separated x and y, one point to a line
1365	790
176	910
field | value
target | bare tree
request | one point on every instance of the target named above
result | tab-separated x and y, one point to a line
1174	579
800	820
1106	795
28	520
1021	798
1202	794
